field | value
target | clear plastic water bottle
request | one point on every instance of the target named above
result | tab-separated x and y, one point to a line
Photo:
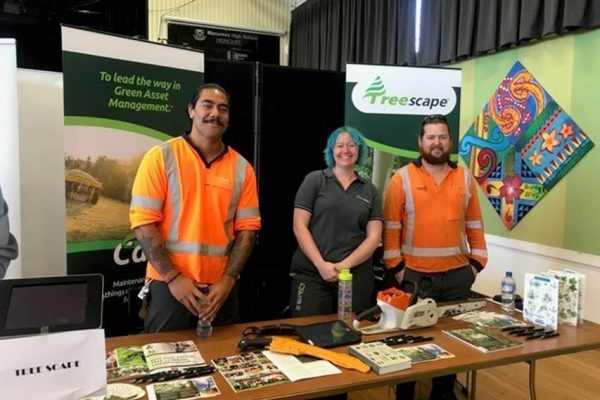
204	326
345	295
508	293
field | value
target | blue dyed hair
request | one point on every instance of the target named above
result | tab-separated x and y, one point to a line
356	137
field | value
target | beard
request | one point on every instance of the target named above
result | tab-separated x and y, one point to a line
435	160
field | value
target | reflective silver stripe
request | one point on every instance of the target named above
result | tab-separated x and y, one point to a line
467	188
238	184
247	213
479	253
464	240
409	207
146	202
388	254
174	189
476	224
197	248
392	225
431	251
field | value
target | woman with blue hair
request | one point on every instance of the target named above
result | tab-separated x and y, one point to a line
338	224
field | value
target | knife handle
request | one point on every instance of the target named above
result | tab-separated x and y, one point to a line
248	343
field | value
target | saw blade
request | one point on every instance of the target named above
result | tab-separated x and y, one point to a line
451	308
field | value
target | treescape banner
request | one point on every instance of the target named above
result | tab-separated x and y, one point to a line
388	103
121	97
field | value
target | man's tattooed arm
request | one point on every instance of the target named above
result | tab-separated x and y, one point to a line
155	250
242	247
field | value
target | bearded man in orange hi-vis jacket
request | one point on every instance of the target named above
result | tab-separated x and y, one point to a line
433	228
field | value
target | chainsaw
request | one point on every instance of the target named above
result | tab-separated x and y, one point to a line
402	309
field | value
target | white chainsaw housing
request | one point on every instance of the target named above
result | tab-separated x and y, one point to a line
420	315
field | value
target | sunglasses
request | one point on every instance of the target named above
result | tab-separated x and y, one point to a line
435	117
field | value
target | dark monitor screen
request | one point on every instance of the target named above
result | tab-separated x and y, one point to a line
35	305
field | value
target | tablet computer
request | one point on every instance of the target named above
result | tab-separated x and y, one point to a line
52	304
328	334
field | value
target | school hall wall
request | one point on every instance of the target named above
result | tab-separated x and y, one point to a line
563	229
259	15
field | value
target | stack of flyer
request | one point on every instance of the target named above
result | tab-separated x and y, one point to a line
554	297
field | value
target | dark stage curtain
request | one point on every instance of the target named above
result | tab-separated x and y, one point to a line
327	34
453	30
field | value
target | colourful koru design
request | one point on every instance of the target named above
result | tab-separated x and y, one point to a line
520	145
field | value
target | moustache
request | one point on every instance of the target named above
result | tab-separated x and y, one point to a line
212	120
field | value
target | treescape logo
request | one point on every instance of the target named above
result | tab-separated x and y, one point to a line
376	92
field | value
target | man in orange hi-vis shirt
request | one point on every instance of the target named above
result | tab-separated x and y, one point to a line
433	228
194	210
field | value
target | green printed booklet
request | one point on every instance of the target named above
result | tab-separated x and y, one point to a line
133	361
483	339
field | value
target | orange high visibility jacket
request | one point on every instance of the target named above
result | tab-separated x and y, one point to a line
197	209
433	228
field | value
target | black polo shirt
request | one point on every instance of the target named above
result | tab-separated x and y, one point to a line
339	217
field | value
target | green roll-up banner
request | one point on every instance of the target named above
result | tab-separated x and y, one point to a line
121	97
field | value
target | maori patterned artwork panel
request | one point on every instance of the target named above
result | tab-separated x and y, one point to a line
520	145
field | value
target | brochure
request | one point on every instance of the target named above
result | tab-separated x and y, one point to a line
483	339
195	388
249	371
133	361
540	303
568	296
488	319
297	368
424	352
581	302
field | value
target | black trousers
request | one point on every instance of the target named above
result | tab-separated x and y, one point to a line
446	286
165	313
311	295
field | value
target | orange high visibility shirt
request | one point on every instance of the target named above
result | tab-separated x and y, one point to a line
197	209
431	227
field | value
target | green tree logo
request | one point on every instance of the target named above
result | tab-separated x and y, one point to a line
376	89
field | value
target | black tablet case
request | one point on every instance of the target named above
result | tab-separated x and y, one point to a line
328	334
